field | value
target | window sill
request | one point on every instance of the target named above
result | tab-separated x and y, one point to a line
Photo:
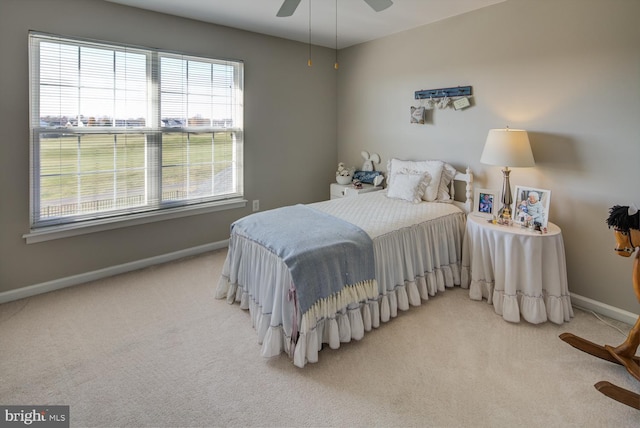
66	231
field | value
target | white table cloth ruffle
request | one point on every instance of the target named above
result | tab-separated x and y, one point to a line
520	272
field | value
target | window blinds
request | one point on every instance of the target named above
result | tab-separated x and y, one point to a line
119	130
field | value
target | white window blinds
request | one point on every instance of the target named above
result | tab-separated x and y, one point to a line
118	130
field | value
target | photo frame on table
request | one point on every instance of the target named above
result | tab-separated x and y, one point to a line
531	206
486	202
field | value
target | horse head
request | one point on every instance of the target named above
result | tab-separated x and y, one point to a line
626	229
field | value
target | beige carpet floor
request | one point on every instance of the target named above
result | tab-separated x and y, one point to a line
154	348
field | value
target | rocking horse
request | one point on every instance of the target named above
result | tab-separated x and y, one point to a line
626	226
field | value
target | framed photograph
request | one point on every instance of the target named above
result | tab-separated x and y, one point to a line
486	202
531	206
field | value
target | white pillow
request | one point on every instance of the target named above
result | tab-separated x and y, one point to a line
433	167
409	185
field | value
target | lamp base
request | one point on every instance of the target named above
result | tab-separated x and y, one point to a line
505	211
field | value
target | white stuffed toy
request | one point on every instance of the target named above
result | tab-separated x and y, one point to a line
369	160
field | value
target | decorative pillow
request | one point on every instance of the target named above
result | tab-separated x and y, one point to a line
448	172
366	176
433	167
409	185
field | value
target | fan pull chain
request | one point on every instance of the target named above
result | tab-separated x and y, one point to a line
309	62
335	64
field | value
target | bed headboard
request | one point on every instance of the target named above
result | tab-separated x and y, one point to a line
467	177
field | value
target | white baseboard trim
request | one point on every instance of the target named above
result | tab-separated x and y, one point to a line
604	309
57	284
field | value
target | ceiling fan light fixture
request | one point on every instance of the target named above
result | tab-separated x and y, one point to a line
289	6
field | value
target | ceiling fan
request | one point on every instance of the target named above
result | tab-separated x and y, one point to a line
290	6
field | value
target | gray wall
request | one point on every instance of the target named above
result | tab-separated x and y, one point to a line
290	132
568	71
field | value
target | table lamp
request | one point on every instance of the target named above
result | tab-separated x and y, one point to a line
507	147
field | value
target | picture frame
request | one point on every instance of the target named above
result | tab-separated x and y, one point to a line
523	202
486	202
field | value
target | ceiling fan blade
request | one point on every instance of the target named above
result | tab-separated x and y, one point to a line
288	7
379	5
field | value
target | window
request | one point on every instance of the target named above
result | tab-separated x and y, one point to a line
119	131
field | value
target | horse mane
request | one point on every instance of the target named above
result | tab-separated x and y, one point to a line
619	218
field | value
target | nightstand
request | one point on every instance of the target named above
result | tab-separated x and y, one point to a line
344	190
519	272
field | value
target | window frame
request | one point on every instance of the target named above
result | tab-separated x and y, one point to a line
153	132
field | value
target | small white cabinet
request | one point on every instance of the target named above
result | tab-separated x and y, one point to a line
344	190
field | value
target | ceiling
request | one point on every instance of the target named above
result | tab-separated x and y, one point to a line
357	22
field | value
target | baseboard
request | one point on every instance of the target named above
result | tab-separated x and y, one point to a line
57	284
604	309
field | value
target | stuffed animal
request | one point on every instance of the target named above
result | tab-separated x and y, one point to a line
344	175
342	170
369	160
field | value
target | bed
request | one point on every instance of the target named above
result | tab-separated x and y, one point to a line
328	272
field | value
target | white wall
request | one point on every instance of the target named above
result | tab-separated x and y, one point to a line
565	70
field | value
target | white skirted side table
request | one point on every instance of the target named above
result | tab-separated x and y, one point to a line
521	272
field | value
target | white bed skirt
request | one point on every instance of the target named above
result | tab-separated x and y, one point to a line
411	265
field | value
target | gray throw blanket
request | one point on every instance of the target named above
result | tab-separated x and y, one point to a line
322	252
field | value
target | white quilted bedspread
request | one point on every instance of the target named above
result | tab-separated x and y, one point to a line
415	258
390	214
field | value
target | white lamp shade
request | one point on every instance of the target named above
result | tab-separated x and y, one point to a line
507	147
